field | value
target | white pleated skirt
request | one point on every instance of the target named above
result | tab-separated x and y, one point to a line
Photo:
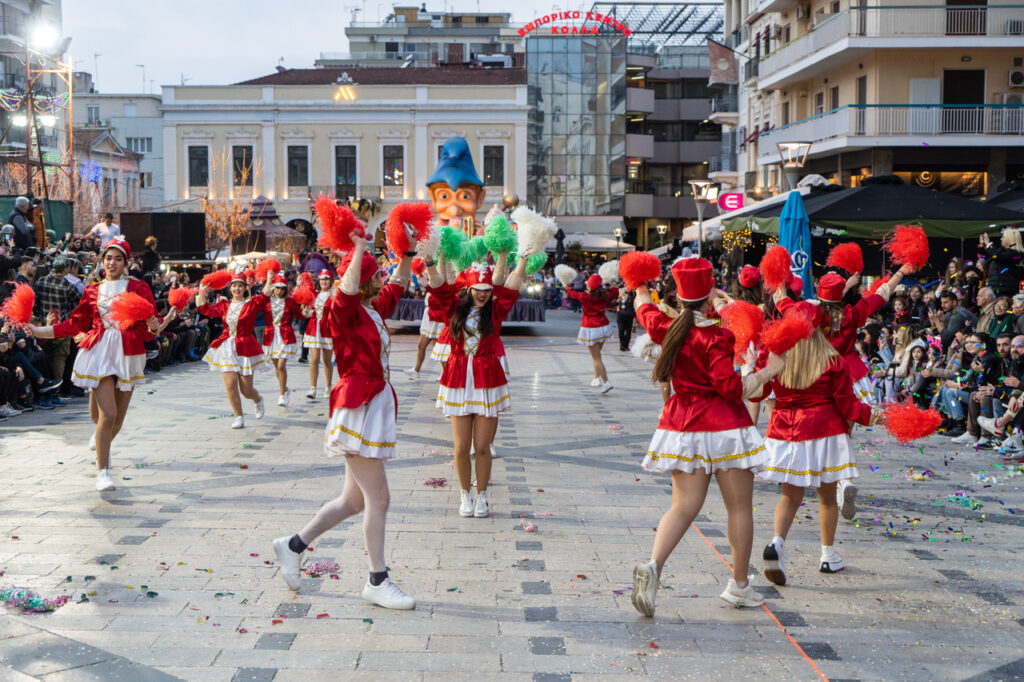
591	336
864	391
107	359
441	352
461	402
430	329
279	349
317	341
809	463
225	359
367	431
707	450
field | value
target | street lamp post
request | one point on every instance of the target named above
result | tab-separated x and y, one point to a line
662	229
704	191
618	235
793	156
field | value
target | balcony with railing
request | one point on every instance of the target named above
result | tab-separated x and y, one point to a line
861	126
867	28
725	108
750	69
723	163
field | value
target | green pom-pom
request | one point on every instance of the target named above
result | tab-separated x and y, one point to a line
499	237
478	247
468	255
452	241
536	262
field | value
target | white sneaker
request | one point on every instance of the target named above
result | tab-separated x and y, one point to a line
389	595
831	562
596	382
494	453
290	563
260	408
607	386
774	569
645	588
466	504
282	400
8	411
92	441
1013	444
964	439
239	423
411	373
741	596
846	496
311	393
989	424
104	482
480	508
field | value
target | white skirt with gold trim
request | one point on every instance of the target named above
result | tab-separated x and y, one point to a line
591	336
107	359
461	402
367	431
707	450
224	358
809	463
279	349
430	329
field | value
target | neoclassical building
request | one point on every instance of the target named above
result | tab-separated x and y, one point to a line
371	133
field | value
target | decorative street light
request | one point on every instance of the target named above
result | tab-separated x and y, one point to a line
704	191
793	156
662	229
618	235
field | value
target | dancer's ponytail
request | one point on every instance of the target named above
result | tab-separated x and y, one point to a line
674	338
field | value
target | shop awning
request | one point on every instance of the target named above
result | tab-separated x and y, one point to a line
589	242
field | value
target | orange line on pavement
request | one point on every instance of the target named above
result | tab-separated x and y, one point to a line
765	607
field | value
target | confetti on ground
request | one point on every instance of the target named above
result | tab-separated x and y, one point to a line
32	602
614	427
322	615
316	569
243	466
368	620
454	589
529	527
436	482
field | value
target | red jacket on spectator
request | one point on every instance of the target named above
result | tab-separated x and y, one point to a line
85	318
246	344
594	305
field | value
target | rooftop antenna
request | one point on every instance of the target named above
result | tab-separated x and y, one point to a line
280	65
96	67
185	79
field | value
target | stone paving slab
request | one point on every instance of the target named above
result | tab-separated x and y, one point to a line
934	596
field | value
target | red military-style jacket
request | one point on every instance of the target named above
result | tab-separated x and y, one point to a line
85	318
594	306
854	317
818	411
246	344
708	391
319	327
358	346
291	309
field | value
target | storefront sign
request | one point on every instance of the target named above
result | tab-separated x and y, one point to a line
553	22
730	201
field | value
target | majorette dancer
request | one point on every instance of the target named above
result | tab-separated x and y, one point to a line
431	327
807	441
840	323
704	429
279	343
362	423
236	353
110	361
318	336
595	328
474	385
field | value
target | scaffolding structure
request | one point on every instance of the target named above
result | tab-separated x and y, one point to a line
664	23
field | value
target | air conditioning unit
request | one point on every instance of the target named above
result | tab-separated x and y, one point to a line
803	12
776	32
373	39
1013	98
1016	78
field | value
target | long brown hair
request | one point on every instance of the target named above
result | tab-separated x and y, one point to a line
833	316
458	321
674	338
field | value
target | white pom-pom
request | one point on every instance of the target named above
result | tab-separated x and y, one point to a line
534	230
644	348
427	248
609	272
565	274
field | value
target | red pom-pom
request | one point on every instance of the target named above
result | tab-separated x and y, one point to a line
908	245
267	268
639	267
906	422
877	284
180	297
336	224
216	280
847	256
775	267
418	266
128	308
419	215
18	307
745	321
250	275
306	280
303	295
781	335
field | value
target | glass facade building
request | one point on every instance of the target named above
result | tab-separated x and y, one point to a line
576	156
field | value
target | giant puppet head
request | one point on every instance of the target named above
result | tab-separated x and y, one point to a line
456	191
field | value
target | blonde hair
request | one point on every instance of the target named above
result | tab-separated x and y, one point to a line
807	361
1015	238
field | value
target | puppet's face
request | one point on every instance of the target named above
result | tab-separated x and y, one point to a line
451	204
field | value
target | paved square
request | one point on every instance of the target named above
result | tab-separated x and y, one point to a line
173	576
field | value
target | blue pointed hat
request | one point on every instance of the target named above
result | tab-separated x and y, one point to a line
456	165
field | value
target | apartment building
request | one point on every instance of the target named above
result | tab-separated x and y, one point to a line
932	93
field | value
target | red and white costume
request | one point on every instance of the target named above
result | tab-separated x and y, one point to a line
106	350
474	380
432	323
363	403
279	336
595	327
236	349
318	332
704	425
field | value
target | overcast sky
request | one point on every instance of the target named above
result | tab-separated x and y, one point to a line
225	41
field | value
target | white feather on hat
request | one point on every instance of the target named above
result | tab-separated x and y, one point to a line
534	231
565	274
609	271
